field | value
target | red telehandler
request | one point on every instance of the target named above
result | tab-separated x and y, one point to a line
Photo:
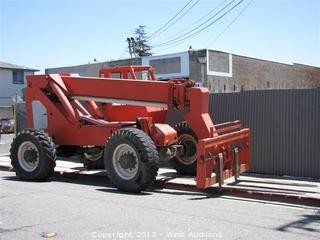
119	120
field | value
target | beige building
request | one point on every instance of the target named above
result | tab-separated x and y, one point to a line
219	71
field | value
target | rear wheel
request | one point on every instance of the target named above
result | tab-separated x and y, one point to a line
33	155
131	160
186	163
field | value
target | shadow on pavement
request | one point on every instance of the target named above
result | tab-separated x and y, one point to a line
283	190
160	187
309	223
276	183
116	191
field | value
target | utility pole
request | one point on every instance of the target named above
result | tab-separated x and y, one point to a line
138	46
131	46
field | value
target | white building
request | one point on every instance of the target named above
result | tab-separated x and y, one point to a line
12	81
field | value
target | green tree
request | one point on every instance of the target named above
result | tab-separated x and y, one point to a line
139	46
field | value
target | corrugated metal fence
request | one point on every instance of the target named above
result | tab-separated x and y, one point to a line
285	128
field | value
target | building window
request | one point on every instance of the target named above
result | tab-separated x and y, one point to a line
224	87
17	77
219	63
166	65
268	84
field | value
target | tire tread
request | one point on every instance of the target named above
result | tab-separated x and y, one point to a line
47	155
148	155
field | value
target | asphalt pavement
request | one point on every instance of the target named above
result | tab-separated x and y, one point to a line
74	207
79	209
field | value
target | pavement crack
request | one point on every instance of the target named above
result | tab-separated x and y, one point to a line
5	230
23	228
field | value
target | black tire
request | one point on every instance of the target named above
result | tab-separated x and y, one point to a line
186	164
141	154
33	155
97	163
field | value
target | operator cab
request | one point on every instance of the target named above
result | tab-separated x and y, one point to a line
136	72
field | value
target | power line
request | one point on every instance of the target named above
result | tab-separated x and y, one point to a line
123	53
188	10
194	23
210	24
229	25
162	50
204	16
163	26
190	34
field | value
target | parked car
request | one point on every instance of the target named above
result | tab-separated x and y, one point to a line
7	126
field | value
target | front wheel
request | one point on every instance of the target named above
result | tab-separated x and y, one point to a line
131	160
33	155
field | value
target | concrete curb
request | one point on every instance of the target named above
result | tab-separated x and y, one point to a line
250	194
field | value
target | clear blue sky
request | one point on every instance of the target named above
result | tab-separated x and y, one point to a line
52	33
